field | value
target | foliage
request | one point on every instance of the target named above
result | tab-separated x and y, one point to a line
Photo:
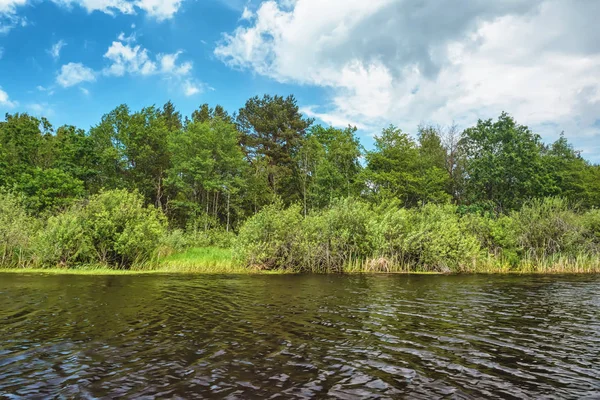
503	162
398	168
122	231
267	240
64	241
16	230
150	183
272	129
549	226
49	189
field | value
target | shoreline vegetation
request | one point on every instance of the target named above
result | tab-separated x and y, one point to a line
266	191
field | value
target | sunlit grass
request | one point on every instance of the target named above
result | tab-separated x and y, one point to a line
214	260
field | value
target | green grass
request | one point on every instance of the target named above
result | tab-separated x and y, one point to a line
214	260
202	260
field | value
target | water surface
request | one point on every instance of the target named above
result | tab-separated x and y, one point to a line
300	336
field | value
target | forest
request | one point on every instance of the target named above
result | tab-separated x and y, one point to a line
267	189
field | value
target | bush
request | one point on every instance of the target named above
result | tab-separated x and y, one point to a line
336	236
210	238
548	226
269	238
64	241
16	229
437	240
175	241
351	233
498	235
591	222
122	231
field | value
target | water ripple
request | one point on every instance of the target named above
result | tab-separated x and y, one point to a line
340	337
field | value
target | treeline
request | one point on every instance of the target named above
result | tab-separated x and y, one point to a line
203	178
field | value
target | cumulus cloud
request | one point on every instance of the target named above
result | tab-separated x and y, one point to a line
191	88
408	62
159	9
72	74
127	57
5	100
168	64
247	14
54	51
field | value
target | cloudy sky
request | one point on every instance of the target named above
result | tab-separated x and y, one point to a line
365	63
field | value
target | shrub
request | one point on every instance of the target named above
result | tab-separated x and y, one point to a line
64	241
591	222
16	229
175	241
547	226
336	236
122	231
437	240
498	235
268	239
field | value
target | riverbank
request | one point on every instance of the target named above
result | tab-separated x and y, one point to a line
214	260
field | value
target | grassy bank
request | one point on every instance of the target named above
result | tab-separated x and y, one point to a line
214	260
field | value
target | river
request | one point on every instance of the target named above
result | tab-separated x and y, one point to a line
305	336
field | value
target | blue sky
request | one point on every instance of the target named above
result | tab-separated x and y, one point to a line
365	63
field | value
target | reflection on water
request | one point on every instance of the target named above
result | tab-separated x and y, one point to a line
300	336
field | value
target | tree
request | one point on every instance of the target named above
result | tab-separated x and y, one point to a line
23	146
74	154
395	169
436	183
49	189
503	163
329	166
172	117
207	166
132	151
272	128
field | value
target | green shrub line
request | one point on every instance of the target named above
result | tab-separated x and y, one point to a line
115	231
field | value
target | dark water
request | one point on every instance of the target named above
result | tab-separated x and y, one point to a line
299	337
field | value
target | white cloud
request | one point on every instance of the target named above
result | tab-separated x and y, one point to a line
168	64
10	6
56	48
5	100
49	90
405	62
40	109
130	59
191	88
127	39
159	9
74	73
247	14
110	7
8	17
84	91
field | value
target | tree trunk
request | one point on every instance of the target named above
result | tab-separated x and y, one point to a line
228	196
